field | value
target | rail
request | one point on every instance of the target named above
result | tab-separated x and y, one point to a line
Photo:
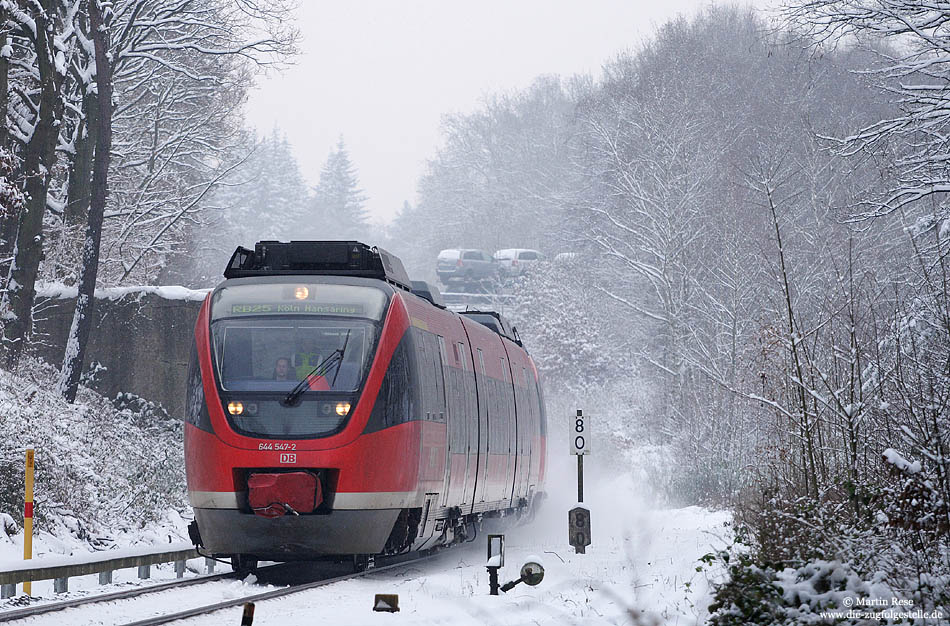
61	569
386	563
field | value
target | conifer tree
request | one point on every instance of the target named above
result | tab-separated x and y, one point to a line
264	198
338	209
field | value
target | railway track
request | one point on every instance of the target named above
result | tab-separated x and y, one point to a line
388	564
33	611
130	594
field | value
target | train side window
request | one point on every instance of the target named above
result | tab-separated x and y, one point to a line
196	409
434	355
481	360
397	387
442	349
426	385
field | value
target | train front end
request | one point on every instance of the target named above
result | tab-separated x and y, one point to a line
286	365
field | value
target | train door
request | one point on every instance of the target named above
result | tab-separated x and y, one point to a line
484	449
466	412
456	431
511	428
435	349
527	427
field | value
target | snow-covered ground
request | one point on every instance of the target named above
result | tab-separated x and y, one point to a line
642	559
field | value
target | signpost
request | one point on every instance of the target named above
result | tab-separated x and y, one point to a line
28	517
578	518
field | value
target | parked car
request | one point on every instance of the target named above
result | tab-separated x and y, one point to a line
466	265
516	261
567	257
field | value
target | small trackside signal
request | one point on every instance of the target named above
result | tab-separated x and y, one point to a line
578	522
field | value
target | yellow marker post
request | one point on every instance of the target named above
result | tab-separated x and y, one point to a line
28	517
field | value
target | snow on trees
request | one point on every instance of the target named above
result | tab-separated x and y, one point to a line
177	76
45	32
338	206
264	197
910	40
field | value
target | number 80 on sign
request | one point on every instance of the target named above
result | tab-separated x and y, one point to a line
580	434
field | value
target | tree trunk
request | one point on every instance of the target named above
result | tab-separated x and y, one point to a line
4	75
85	303
80	172
16	306
8	215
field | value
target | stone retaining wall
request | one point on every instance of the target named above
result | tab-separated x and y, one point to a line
141	338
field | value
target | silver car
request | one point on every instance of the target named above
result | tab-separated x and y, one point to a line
516	261
466	265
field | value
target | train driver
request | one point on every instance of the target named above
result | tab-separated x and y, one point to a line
282	369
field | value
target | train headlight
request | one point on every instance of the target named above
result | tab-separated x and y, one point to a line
235	408
301	293
342	408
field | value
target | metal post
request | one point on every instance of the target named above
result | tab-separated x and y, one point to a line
105	578
144	571
60	585
209	564
247	619
179	569
493	581
580	477
28	517
7	591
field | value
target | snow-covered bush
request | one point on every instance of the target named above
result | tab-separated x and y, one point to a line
102	468
819	592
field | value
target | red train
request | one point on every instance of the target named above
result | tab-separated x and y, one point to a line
332	410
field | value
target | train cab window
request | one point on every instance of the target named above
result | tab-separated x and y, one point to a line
269	338
275	355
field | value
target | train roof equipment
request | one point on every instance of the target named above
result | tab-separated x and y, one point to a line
327	258
496	322
429	292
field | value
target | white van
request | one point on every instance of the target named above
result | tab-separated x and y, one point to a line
515	261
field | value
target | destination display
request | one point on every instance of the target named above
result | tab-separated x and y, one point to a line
304	308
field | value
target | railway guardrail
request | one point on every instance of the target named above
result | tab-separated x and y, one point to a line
61	569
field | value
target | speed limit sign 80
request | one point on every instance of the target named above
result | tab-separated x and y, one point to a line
580	434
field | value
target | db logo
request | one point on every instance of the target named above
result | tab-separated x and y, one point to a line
288	458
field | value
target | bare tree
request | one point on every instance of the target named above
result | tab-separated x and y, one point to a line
910	40
46	25
184	50
85	301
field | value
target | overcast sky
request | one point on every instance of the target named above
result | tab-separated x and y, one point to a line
382	73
